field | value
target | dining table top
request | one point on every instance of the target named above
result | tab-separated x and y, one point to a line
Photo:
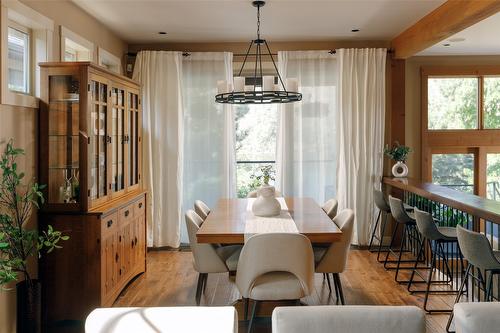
226	222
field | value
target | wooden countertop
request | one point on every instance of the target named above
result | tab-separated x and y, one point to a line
475	205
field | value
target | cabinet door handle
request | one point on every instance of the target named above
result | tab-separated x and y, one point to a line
140	204
116	257
110	223
127	213
120	238
120	271
108	139
135	240
132	243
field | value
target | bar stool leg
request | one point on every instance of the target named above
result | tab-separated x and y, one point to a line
374	230
420	250
459	295
390	245
405	230
384	224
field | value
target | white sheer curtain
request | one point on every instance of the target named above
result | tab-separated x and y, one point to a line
209	135
361	133
306	154
159	73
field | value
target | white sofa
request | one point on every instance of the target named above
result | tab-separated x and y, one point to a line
163	319
348	319
477	317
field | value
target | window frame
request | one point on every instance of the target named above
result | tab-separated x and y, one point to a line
479	141
41	35
65	33
106	58
30	63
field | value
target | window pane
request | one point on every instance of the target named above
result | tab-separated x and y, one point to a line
18	60
256	127
492	102
454	170
493	176
452	103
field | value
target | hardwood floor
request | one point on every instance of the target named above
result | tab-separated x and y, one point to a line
170	280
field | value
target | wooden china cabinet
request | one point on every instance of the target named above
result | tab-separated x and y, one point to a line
90	160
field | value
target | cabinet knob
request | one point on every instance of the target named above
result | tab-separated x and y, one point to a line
135	240
132	243
120	271
140	204
127	213
116	257
110	223
120	238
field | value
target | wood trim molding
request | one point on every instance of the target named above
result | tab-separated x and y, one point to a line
448	19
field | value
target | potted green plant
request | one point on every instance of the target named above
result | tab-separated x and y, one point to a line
398	153
265	175
266	203
17	242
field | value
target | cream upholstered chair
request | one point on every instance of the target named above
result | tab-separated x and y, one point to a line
330	208
208	258
348	319
333	259
477	317
275	266
201	209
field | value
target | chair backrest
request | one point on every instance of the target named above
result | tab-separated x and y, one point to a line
350	318
380	202
398	210
330	208
426	225
476	249
335	258
477	317
275	252
206	259
201	209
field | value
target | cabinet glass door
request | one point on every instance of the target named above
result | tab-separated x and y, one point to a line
133	139
63	133
99	139
118	139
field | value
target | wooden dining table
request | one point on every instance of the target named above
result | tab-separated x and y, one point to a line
226	222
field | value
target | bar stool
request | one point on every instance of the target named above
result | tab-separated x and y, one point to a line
477	251
384	211
436	239
407	221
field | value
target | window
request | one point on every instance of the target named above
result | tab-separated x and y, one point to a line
461	119
27	36
18	58
454	170
109	61
453	103
74	47
256	127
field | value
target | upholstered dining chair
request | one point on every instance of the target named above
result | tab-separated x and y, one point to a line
330	207
208	258
275	266
201	209
333	259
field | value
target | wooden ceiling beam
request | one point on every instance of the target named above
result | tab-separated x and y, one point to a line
448	19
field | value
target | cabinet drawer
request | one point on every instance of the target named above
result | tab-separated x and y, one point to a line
126	213
139	207
109	223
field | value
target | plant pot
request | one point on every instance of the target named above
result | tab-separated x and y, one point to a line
29	307
266	204
400	170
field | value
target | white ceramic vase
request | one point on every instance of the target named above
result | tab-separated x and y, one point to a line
400	170
266	203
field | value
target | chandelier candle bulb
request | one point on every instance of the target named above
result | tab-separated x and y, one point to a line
239	83
222	87
292	84
268	83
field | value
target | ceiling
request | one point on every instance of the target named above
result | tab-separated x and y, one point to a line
139	21
479	39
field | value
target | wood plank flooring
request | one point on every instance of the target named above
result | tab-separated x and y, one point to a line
170	280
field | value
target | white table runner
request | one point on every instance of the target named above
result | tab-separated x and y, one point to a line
275	224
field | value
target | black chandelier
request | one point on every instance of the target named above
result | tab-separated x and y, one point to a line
266	92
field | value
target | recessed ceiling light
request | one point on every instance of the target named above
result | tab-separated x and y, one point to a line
162	33
447	44
355	30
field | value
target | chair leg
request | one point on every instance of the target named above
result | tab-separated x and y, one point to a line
336	289
205	278
199	288
384	224
489	284
390	245
457	299
420	250
328	280
403	240
339	284
374	230
254	308
245	308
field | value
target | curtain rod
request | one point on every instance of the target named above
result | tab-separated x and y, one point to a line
187	54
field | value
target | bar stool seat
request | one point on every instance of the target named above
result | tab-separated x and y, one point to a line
448	233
